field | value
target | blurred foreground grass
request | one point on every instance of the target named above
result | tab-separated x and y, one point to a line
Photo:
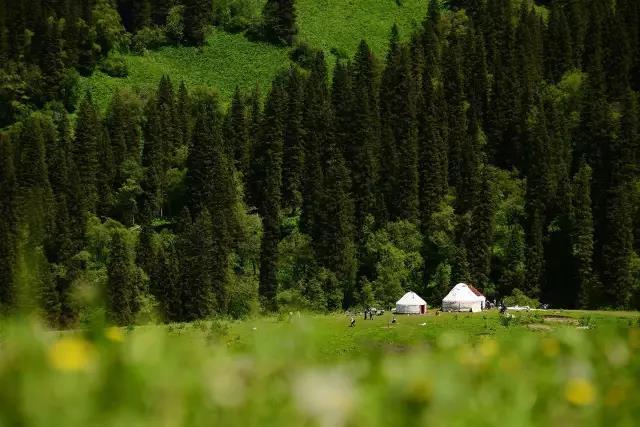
561	369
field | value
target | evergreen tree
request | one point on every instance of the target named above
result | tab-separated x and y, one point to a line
559	49
334	245
270	153
197	16
279	21
617	237
317	137
237	134
293	152
85	154
120	282
481	231
582	239
363	149
8	224
196	253
399	162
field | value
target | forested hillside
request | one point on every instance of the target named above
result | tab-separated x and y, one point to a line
497	145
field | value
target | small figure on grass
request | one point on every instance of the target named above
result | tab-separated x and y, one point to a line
394	319
353	322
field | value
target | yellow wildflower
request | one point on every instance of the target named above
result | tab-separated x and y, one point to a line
114	334
580	392
71	354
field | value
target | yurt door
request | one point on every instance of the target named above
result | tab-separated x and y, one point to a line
422	307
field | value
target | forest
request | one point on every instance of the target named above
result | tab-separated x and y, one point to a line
497	145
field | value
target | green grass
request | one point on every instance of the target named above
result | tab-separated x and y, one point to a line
230	60
342	24
226	61
314	370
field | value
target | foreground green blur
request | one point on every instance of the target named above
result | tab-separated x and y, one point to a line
305	370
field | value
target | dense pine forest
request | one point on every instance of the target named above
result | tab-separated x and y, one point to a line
497	145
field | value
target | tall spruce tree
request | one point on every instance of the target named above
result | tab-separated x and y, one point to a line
270	154
85	153
197	16
279	21
582	239
8	229
120	282
293	151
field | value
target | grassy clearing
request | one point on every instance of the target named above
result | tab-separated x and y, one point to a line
227	61
312	370
341	24
230	60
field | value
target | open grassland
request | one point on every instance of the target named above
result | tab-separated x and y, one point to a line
226	61
539	368
341	24
230	60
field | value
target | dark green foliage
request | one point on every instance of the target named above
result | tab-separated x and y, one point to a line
582	239
279	21
409	174
197	17
237	133
120	290
85	153
196	252
8	224
269	155
293	151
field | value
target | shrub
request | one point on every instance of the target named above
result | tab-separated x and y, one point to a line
114	66
303	55
174	28
518	297
148	38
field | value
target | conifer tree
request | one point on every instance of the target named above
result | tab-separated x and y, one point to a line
559	49
363	149
481	231
617	237
169	284
342	103
270	154
197	16
85	154
317	136
197	249
582	239
120	282
237	134
8	224
279	21
293	152
334	244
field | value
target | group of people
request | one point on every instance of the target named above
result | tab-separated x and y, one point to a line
368	314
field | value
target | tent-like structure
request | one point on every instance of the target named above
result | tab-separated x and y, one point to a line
411	303
464	297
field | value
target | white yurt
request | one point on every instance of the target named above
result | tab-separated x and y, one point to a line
411	303
464	297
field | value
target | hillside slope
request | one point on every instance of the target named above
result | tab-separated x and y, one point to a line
230	60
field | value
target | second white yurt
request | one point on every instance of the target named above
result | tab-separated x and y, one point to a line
464	297
411	303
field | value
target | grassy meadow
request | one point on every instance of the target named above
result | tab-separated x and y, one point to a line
532	369
230	60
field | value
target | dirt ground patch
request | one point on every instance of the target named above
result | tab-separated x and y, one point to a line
539	327
560	319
